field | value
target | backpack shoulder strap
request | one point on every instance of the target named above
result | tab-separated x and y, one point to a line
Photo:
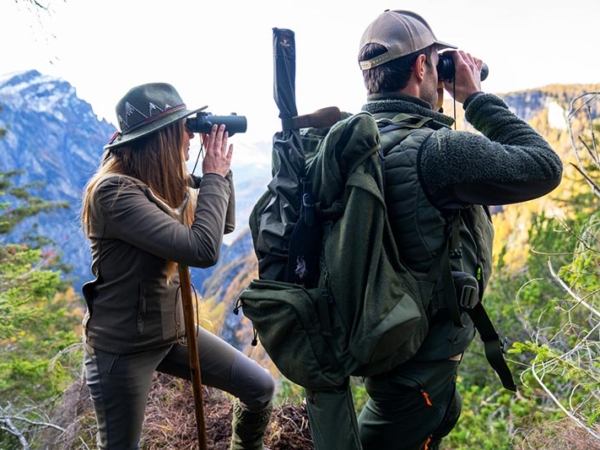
403	120
402	125
471	303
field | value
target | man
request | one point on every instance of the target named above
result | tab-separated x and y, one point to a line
430	174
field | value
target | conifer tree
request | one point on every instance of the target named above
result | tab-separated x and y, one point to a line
39	320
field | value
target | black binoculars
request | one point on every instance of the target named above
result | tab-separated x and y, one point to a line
203	122
445	68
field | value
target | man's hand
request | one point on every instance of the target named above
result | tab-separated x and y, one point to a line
467	76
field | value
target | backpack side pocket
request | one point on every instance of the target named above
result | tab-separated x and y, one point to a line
286	318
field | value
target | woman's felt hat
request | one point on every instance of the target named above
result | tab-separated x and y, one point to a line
145	109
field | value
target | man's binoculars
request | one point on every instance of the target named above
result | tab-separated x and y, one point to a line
445	68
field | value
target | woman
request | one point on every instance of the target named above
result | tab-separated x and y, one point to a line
141	222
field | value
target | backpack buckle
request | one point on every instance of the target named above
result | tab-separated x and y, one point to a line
503	344
469	297
467	290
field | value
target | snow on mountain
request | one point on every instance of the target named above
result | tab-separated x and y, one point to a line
55	137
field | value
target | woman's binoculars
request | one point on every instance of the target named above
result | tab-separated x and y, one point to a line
203	122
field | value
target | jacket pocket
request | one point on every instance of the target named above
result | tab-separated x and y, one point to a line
89	293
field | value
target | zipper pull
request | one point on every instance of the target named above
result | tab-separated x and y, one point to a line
426	397
255	338
238	305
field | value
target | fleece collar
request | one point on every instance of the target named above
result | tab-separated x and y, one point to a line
396	102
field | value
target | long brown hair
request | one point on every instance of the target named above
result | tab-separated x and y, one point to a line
157	160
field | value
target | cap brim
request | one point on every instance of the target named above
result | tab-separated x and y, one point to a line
391	55
445	45
151	127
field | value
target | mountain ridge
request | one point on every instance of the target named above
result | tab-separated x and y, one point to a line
56	137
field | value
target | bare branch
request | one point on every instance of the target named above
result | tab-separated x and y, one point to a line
569	291
9	426
557	402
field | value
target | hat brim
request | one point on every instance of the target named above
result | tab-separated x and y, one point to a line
151	127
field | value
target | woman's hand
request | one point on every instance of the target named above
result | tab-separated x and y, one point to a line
218	155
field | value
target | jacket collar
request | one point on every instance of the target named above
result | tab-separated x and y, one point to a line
397	102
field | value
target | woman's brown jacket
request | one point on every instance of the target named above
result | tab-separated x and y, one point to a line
131	305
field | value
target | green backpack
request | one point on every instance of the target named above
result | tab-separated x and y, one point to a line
342	302
364	313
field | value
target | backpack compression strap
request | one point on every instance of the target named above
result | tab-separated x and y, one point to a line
493	344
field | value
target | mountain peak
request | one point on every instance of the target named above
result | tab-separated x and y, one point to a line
58	140
36	92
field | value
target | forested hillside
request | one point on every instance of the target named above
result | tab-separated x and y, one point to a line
542	297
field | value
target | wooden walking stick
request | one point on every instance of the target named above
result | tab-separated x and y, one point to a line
190	325
190	332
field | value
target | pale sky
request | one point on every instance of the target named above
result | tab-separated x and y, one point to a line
220	53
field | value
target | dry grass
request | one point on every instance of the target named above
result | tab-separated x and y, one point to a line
560	435
171	422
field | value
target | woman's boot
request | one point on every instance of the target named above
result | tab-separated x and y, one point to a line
248	428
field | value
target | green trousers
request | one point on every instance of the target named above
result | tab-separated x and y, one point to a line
332	419
120	383
414	405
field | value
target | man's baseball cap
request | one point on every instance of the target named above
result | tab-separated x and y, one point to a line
401	33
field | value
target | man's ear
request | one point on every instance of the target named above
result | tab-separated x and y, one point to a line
420	68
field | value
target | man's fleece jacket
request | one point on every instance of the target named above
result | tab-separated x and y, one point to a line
433	172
